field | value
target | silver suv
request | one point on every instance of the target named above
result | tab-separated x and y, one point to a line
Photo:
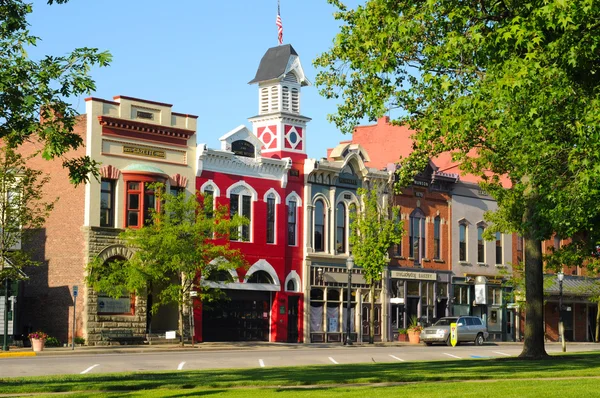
469	328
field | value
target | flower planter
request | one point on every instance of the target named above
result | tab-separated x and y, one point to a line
37	344
414	337
403	337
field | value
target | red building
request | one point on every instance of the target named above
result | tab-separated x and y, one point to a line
259	174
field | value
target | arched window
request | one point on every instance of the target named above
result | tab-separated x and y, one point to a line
417	235
499	248
462	242
437	238
319	231
291	286
260	277
271	218
340	228
480	245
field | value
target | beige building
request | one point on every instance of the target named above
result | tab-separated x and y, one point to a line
137	142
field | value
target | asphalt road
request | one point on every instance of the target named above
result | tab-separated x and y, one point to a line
82	363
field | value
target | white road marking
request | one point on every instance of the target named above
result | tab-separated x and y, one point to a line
261	363
453	356
502	353
333	360
90	368
396	358
180	366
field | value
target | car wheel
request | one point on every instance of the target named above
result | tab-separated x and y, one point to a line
428	343
479	339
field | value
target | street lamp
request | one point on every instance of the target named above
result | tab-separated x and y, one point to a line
349	266
561	327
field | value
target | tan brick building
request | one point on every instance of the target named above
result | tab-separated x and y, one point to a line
137	142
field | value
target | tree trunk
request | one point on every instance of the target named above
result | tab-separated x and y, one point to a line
181	324
533	346
372	315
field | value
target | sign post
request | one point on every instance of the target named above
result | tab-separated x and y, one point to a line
75	292
453	334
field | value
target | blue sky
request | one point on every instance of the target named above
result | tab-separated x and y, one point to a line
198	55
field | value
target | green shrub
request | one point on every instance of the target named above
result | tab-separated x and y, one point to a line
79	340
53	342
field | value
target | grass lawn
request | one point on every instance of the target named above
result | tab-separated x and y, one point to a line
330	380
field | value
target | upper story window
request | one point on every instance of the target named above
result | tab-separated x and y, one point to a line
241	196
291	222
140	203
436	238
397	250
107	203
557	242
462	242
240	205
480	245
340	228
271	218
519	243
417	235
499	248
319	230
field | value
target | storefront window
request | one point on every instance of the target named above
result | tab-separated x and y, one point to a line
412	288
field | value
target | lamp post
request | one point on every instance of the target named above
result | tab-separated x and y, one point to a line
349	266
561	327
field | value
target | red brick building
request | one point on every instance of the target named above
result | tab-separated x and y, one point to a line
259	174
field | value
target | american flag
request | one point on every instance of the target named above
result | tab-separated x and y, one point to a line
279	26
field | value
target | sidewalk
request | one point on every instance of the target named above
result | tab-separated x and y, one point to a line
212	346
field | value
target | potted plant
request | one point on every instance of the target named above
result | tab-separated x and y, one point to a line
402	336
37	340
414	331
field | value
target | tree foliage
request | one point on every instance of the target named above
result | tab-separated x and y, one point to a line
185	240
23	210
373	230
34	94
510	88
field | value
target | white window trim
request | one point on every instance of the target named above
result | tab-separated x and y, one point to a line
293	196
293	275
483	225
247	190
466	225
277	202
263	265
326	208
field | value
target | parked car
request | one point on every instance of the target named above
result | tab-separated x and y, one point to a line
469	328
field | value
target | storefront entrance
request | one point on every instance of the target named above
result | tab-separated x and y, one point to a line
292	329
244	317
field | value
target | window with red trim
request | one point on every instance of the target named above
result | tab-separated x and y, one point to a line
140	200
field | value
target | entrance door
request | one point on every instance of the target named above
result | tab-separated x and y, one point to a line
412	309
292	328
366	322
567	317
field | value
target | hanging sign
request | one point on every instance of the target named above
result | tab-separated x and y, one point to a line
453	334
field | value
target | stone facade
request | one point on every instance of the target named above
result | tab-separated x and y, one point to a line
104	243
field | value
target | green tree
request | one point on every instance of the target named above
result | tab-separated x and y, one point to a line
373	230
186	239
34	93
23	210
510	88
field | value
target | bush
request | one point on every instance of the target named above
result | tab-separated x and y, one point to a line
53	342
401	331
79	340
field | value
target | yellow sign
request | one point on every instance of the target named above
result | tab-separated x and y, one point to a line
453	334
144	151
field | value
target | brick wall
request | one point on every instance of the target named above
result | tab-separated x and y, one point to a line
48	303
